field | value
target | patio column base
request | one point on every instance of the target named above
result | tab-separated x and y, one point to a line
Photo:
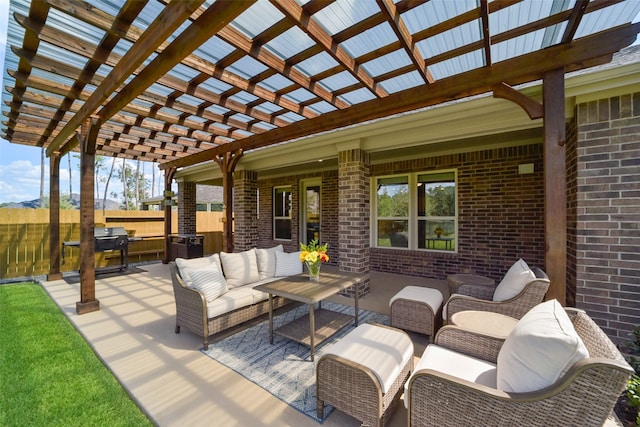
364	289
54	276
87	307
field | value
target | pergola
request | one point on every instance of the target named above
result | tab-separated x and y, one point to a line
186	82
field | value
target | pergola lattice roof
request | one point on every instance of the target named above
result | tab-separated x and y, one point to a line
181	82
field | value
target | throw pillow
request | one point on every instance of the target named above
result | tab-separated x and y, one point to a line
288	264
240	268
514	281
185	266
210	281
267	261
540	349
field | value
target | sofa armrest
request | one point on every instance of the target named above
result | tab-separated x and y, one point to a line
477	291
481	346
516	307
191	305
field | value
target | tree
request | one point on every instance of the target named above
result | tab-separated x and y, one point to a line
42	153
70	180
134	184
441	200
106	184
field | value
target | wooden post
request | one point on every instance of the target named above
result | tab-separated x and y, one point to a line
168	178
54	218
555	184
228	162
87	139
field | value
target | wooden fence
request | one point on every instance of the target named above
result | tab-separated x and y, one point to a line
24	238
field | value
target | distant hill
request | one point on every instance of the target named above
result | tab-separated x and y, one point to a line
75	202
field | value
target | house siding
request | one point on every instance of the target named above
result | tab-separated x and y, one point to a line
608	213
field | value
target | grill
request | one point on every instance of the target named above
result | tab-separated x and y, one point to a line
108	239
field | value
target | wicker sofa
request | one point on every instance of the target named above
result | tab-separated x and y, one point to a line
450	387
233	301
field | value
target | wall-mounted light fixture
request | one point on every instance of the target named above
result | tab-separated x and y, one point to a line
525	168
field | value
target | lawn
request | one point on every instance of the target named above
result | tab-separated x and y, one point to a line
48	374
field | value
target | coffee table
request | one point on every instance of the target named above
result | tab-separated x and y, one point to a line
320	324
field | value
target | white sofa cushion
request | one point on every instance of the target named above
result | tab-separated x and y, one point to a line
288	264
186	265
267	261
232	300
514	281
384	350
539	350
240	268
209	280
459	365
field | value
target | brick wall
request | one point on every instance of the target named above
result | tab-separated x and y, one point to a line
186	207
500	214
572	208
354	210
245	214
328	204
608	213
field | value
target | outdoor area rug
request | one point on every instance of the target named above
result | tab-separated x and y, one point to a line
284	369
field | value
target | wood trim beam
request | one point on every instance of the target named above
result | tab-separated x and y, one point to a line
392	15
486	33
102	20
532	107
160	29
555	184
307	24
38	13
587	50
168	179
54	219
87	136
574	20
228	162
127	14
257	52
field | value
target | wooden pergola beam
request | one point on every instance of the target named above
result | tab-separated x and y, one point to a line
305	22
87	139
392	15
228	162
593	49
555	185
160	29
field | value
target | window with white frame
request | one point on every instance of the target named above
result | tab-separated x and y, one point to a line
416	211
282	213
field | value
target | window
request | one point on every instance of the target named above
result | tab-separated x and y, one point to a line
282	213
416	211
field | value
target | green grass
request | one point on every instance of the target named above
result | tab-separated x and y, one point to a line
49	376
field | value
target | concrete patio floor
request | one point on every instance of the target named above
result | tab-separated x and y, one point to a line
166	374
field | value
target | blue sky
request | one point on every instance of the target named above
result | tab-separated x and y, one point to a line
20	164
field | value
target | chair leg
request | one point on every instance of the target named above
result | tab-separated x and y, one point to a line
205	344
177	330
319	408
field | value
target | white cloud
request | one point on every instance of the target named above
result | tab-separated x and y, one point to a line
19	181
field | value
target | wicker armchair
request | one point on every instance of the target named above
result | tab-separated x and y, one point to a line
583	396
532	294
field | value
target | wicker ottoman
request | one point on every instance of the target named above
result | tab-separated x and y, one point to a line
363	374
417	309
